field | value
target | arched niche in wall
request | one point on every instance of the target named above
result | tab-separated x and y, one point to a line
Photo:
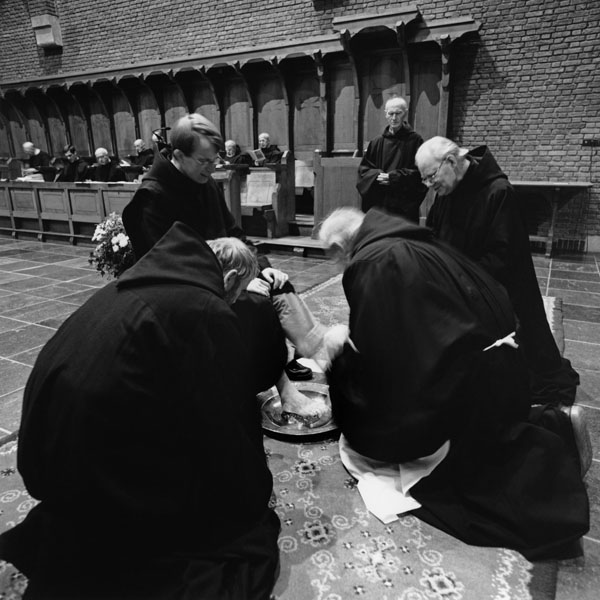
121	121
426	82
57	132
175	104
74	117
199	94
304	91
145	107
6	149
170	98
343	98
236	104
270	101
383	76
34	121
100	117
16	126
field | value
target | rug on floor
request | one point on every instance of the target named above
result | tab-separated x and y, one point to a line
331	547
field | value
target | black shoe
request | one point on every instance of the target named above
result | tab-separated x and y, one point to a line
297	372
581	435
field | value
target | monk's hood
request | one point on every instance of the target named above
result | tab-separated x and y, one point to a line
379	224
181	256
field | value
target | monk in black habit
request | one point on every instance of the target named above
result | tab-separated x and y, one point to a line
421	315
387	175
476	210
141	437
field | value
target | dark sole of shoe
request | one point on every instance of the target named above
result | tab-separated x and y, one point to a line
299	377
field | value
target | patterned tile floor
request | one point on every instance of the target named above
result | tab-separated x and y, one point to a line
43	283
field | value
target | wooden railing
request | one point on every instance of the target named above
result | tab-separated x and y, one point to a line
263	195
59	210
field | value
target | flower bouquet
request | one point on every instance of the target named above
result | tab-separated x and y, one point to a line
113	253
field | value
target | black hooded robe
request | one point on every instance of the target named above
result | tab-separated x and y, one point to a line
420	316
392	153
165	196
141	437
482	218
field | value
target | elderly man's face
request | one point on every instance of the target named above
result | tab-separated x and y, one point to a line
441	175
139	147
102	158
264	141
29	149
394	115
230	149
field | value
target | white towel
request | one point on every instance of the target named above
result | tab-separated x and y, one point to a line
385	487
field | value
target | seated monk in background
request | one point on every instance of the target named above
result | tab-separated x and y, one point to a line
105	169
142	160
233	154
272	153
432	384
75	169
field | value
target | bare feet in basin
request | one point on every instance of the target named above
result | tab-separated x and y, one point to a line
312	411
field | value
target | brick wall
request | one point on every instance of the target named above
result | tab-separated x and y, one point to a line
526	85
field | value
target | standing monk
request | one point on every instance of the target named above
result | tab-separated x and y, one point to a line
181	189
476	211
387	175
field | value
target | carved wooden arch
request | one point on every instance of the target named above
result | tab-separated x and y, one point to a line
140	95
444	33
259	74
73	113
7	142
17	116
36	126
56	132
169	95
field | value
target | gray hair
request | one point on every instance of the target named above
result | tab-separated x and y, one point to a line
234	254
337	231
397	100
438	148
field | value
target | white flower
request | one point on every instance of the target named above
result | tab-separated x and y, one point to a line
98	233
115	248
123	240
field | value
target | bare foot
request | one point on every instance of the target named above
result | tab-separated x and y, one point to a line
313	412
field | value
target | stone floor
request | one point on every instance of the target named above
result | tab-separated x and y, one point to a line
43	283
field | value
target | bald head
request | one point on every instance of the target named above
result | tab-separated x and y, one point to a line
338	230
29	148
442	164
102	156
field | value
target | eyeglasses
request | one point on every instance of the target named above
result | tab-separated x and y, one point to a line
394	114
206	161
431	178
